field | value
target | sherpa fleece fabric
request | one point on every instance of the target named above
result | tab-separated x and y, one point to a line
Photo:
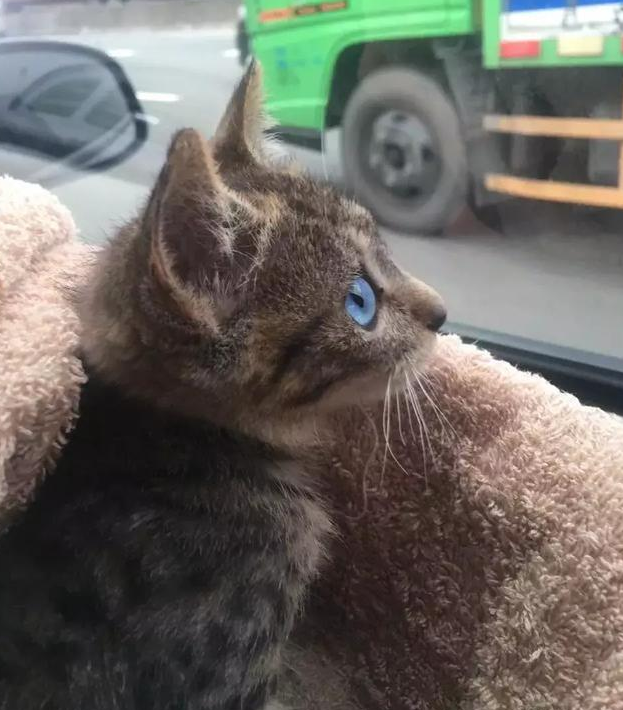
40	374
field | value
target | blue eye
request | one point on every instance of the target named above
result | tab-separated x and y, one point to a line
361	302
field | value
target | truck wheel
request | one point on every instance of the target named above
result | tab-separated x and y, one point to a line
402	151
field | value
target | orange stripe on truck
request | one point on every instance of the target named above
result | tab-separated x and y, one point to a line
287	13
284	13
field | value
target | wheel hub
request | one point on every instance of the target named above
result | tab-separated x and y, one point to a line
403	156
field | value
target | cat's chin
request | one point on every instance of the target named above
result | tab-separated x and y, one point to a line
296	427
302	428
370	388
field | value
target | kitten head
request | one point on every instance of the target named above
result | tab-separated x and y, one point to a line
249	293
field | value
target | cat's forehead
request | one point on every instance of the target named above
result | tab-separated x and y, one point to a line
300	198
300	223
345	220
296	193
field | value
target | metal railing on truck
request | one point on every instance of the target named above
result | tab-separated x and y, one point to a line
555	191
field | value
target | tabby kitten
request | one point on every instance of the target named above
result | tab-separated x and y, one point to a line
163	564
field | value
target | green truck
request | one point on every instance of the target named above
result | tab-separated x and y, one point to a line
447	103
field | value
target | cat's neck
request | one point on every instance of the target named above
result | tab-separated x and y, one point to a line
297	437
288	440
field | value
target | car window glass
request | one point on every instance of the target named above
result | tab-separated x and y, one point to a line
484	136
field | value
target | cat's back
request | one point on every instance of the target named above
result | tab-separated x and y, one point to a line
129	470
154	532
126	479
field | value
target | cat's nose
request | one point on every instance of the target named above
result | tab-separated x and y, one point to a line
436	317
425	304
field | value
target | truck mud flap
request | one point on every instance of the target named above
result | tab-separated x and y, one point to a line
473	90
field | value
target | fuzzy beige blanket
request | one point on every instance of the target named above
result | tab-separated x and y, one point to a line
40	375
479	562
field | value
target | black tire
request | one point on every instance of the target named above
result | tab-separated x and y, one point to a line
405	90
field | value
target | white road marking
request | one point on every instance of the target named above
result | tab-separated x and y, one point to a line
231	53
148	118
121	53
158	96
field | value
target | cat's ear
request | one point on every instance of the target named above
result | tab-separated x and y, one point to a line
241	130
186	221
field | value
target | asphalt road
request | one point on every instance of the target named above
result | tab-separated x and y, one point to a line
554	276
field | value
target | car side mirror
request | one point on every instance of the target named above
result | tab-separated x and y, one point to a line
64	107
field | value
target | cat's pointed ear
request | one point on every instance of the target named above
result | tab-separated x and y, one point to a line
185	221
241	130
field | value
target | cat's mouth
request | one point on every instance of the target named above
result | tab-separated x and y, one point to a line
295	419
374	386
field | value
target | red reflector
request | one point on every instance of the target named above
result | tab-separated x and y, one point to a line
514	50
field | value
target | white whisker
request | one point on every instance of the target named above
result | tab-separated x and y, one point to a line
402	437
424	437
364	477
441	417
372	423
424	426
406	398
385	427
387	430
